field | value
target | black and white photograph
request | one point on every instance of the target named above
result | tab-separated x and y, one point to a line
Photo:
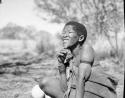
62	49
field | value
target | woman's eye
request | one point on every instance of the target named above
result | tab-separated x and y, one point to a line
70	32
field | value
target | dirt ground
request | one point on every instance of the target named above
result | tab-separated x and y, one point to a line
18	85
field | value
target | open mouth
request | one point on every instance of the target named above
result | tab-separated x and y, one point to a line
66	38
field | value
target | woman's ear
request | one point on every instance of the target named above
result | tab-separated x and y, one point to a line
81	38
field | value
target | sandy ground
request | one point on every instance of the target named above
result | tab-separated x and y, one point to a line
18	85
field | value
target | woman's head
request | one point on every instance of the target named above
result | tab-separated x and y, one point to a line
73	33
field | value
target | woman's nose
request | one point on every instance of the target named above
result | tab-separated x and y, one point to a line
65	35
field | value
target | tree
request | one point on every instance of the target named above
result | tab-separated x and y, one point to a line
10	31
114	23
102	16
65	10
93	13
14	31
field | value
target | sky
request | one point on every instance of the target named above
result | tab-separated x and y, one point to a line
21	12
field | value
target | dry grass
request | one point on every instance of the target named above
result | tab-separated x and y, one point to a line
15	84
18	81
19	85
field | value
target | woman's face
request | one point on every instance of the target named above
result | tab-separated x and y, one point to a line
69	36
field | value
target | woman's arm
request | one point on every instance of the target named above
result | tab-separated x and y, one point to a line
83	73
84	69
63	81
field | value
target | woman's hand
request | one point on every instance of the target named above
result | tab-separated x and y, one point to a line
64	56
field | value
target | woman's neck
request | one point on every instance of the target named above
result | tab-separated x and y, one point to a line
76	50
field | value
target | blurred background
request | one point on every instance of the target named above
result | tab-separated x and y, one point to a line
30	37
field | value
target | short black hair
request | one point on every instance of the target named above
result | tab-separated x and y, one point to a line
79	28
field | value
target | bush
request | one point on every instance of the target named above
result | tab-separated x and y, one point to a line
44	43
102	48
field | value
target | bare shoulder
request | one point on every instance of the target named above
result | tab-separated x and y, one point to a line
87	53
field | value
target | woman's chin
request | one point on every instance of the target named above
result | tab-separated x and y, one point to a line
65	46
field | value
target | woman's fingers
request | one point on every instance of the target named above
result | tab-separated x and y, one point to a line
64	55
